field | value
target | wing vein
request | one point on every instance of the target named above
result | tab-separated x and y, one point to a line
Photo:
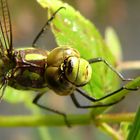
6	30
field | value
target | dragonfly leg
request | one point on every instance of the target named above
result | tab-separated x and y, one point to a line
78	105
35	101
4	84
83	93
99	59
3	87
45	27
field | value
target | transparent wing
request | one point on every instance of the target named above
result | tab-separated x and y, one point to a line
6	46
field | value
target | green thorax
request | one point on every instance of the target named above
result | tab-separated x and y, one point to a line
29	68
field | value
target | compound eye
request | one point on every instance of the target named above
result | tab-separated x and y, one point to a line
71	68
78	71
84	73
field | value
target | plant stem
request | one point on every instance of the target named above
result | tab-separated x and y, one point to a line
129	65
115	118
110	131
56	120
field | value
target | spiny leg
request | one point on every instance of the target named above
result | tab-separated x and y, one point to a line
44	28
77	104
3	87
83	93
4	84
35	101
99	59
96	60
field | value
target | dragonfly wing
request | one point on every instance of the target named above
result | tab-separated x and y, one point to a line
6	46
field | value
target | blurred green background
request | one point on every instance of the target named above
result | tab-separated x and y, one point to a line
27	19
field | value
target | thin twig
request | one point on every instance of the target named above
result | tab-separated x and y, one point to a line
129	65
56	120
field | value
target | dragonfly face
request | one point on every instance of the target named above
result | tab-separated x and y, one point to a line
68	71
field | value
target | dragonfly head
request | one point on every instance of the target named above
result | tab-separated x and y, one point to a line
77	70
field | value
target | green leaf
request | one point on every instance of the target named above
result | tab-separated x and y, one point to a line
113	43
135	131
16	96
125	129
72	29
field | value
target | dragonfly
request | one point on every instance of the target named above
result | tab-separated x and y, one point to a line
61	69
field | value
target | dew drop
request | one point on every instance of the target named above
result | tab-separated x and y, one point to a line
67	21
